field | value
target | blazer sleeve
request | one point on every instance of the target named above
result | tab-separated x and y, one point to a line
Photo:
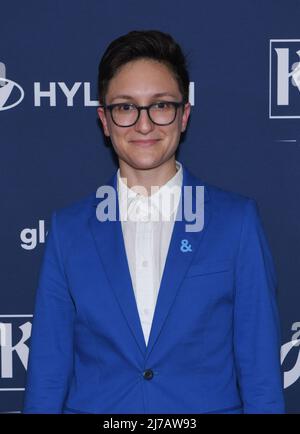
256	320
51	347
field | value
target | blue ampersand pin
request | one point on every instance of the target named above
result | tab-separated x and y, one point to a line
185	246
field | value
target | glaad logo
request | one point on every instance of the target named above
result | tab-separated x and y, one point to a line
14	333
291	376
11	93
284	91
31	236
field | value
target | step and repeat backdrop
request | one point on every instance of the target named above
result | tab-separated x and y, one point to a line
243	136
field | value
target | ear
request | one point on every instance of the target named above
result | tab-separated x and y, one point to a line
102	117
185	116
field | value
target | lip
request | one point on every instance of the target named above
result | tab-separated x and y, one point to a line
145	142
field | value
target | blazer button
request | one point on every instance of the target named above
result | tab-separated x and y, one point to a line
148	374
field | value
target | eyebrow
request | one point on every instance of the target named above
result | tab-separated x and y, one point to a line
156	95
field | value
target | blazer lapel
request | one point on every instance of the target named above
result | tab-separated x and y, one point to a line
109	241
177	262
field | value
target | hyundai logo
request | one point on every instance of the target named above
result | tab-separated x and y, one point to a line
11	93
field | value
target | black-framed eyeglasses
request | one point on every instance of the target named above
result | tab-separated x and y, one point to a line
160	113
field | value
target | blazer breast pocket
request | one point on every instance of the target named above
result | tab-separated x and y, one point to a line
205	268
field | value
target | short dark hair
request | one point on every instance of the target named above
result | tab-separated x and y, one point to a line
149	44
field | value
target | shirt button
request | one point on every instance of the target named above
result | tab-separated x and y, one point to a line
146	311
145	263
148	374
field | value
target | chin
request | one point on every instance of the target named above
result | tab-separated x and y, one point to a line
143	162
144	165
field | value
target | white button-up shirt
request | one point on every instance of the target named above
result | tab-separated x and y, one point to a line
147	225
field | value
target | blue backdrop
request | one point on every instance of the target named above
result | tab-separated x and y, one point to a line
243	135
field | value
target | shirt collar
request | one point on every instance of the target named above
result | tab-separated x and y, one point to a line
159	201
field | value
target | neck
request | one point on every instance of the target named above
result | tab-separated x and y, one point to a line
147	178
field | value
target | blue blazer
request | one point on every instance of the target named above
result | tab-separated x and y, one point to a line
214	344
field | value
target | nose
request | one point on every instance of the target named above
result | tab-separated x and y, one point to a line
144	124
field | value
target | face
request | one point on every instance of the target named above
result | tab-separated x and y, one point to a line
144	145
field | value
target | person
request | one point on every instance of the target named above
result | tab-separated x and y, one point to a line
142	313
